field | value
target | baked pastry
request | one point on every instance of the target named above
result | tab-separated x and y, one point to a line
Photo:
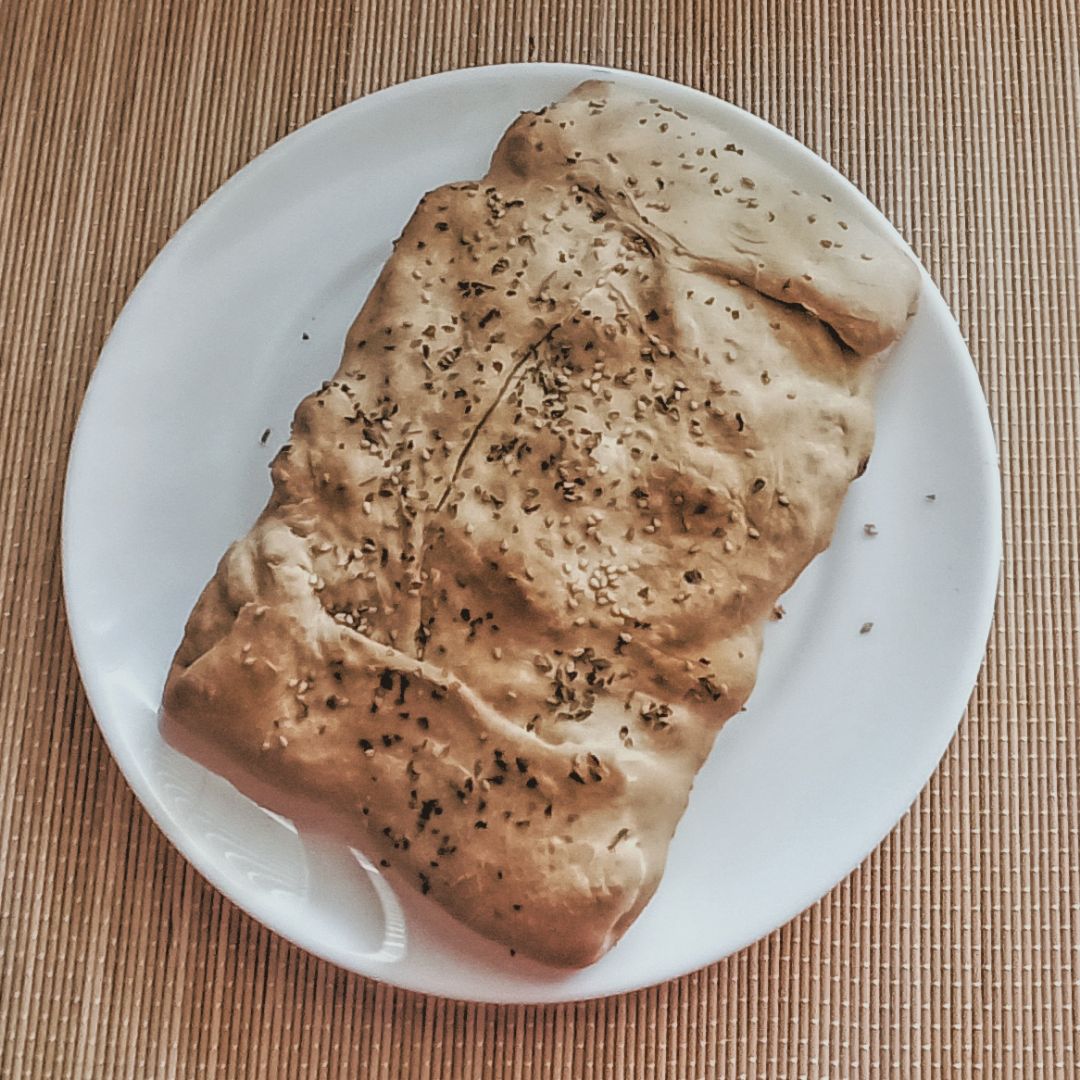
597	414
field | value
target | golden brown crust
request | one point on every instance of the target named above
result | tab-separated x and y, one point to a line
512	577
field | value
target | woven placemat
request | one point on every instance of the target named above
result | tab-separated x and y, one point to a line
953	950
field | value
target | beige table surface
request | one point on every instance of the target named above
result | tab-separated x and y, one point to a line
953	951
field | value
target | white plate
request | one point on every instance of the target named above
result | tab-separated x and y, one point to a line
245	311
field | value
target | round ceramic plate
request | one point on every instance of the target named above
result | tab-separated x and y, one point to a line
245	311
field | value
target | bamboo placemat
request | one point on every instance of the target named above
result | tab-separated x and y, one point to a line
954	950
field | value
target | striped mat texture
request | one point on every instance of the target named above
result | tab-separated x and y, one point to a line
954	950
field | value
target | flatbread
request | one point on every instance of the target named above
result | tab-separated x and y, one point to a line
597	414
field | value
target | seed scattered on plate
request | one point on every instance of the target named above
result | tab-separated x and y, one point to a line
866	628
870	529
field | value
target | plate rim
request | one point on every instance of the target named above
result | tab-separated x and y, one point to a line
990	557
